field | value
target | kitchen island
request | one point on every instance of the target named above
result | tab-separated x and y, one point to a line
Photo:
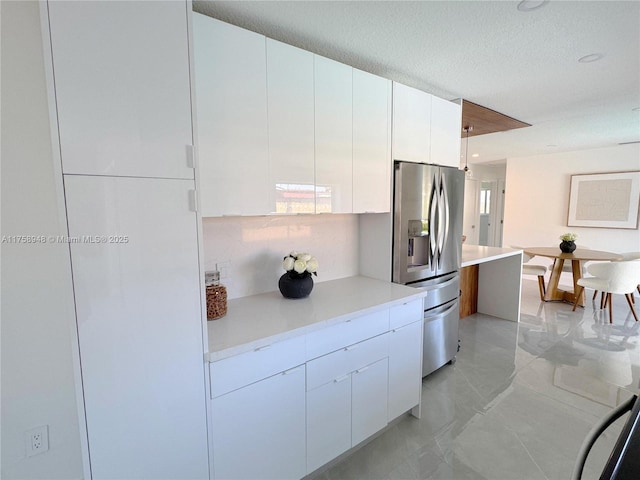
294	384
491	280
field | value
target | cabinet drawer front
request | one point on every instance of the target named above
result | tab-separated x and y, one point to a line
243	369
347	333
334	366
405	314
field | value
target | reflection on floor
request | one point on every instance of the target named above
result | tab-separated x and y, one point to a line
518	402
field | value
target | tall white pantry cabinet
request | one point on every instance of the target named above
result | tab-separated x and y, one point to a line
122	93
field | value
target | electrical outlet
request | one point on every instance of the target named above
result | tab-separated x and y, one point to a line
37	440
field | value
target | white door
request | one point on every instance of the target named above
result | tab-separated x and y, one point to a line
371	143
122	87
231	108
489	216
259	430
471	216
499	221
333	134
405	368
291	129
369	400
411	124
135	267
328	422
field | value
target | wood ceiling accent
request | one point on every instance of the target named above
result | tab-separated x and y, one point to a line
484	120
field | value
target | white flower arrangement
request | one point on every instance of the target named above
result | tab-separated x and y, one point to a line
300	263
568	237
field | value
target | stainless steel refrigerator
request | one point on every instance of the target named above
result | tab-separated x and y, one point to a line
427	244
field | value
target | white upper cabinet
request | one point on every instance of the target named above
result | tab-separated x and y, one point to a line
371	143
411	124
291	129
446	128
231	107
333	134
123	100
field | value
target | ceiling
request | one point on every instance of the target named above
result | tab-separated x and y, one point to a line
523	64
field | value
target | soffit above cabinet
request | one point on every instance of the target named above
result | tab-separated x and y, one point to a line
484	120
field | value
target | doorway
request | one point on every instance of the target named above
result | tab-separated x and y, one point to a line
483	212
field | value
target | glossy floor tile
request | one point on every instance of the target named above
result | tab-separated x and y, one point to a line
517	403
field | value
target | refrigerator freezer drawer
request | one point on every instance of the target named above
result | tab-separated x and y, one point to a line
439	290
440	343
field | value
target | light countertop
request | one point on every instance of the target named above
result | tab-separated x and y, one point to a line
475	254
254	321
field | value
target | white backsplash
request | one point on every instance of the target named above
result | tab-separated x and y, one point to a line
249	250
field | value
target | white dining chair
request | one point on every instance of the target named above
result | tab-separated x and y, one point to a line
631	256
536	270
625	257
620	277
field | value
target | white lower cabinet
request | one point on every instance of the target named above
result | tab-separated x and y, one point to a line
259	430
288	407
405	365
368	400
328	421
345	411
348	406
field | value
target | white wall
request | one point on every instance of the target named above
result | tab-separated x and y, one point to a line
37	303
537	199
250	249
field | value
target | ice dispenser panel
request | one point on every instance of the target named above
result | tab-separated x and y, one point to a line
418	243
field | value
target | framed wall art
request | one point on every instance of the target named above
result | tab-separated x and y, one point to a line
605	200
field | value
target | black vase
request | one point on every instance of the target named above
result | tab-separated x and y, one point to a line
567	246
295	285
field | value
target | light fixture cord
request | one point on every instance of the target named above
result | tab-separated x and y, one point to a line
466	150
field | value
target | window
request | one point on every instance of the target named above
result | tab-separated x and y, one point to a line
485	198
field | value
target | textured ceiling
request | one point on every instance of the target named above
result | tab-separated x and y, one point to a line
522	64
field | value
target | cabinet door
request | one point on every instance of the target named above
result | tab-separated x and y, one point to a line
333	133
139	325
122	87
405	368
371	143
369	400
231	108
328	422
446	129
291	128
259	430
411	124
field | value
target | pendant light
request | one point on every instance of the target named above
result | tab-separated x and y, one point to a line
467	129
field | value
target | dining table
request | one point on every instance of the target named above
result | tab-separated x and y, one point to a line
577	257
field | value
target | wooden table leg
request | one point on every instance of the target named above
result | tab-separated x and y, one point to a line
553	293
556	294
576	269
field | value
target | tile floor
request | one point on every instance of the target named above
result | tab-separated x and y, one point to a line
518	402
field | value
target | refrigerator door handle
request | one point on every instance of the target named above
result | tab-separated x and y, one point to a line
441	225
445	213
434	258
